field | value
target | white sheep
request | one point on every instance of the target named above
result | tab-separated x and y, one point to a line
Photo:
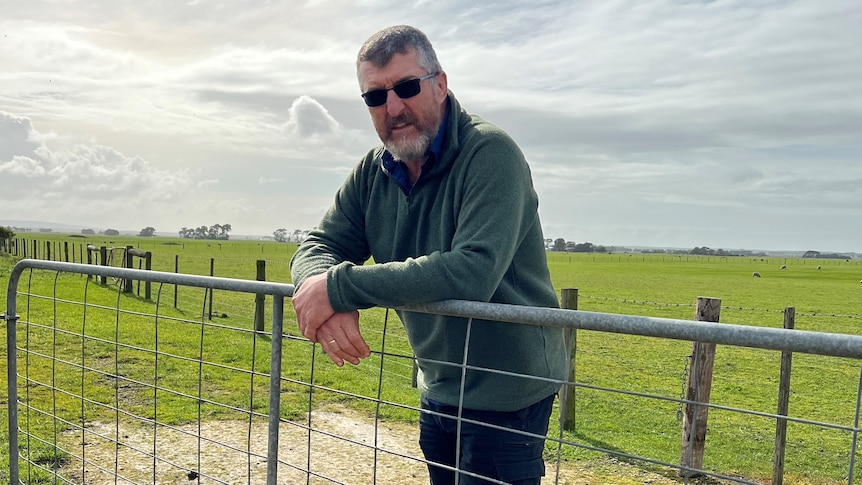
818	268
783	267
755	274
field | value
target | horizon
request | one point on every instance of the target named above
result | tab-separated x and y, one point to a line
74	229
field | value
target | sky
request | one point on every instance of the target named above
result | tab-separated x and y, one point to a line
670	123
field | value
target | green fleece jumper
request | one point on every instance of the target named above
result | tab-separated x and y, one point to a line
468	230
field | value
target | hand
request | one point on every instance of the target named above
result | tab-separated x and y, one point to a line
340	338
312	306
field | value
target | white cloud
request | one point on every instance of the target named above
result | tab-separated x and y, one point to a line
309	121
634	113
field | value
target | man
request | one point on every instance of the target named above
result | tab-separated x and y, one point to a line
446	208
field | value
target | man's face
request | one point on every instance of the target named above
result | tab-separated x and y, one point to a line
405	126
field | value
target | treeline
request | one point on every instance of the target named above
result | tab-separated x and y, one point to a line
562	245
819	255
216	231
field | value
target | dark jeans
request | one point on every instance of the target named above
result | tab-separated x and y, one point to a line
502	455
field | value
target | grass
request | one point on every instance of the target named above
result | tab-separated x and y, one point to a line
824	389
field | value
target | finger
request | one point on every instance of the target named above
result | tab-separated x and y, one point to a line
333	353
351	342
309	331
340	345
344	329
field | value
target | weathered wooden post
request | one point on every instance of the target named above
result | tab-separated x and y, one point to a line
569	301
259	298
103	255
212	273
90	248
783	403
148	265
698	391
128	263
176	270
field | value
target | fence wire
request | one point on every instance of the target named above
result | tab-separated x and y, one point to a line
106	387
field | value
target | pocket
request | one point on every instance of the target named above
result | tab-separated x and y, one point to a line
512	470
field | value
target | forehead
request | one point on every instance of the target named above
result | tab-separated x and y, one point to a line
400	67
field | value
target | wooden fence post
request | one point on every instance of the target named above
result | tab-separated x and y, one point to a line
783	403
259	298
103	260
176	270
90	248
699	388
128	263
148	265
212	273
569	301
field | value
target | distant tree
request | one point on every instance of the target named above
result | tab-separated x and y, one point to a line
88	231
811	254
112	232
280	235
6	233
559	244
225	229
45	229
147	232
586	247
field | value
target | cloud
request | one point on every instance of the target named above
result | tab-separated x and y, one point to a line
308	121
631	114
15	137
67	179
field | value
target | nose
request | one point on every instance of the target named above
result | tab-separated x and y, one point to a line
394	104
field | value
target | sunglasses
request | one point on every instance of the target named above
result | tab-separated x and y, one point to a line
404	89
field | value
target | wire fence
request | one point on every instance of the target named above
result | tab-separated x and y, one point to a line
106	387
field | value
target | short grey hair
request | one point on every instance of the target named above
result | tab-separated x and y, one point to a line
381	47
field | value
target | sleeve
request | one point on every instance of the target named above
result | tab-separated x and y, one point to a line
496	207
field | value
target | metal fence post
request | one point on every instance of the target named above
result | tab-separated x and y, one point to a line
12	385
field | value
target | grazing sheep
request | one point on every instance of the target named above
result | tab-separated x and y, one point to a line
755	274
783	267
818	268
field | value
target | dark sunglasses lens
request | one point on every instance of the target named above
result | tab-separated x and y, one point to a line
404	89
407	89
375	98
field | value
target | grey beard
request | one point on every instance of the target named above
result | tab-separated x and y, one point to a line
410	150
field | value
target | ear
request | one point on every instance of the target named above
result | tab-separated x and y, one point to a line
442	85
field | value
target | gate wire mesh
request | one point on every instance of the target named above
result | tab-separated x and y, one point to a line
117	389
